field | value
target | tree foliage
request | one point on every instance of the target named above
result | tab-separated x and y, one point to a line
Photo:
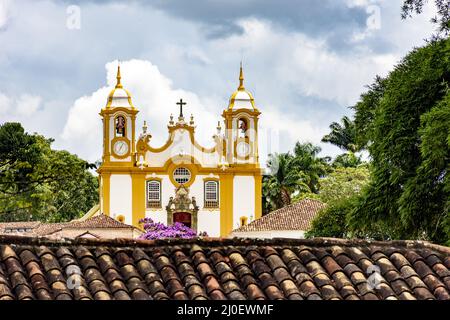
347	160
343	183
404	118
331	221
307	160
339	190
38	183
284	179
442	18
292	175
343	135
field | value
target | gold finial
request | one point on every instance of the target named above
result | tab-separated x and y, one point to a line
171	120
192	120
241	79
118	77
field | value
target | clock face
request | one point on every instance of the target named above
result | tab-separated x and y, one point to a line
120	148
243	149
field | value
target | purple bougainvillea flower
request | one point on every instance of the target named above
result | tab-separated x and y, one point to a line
157	230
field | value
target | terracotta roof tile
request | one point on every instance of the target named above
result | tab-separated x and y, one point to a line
297	216
36	268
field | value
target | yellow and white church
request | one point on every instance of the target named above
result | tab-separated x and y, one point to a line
212	190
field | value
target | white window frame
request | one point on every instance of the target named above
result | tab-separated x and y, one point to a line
154	202
211	202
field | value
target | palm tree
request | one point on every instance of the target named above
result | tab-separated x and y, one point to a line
306	160
283	180
343	135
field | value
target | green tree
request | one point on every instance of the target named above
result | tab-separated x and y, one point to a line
284	178
292	175
307	161
343	183
331	221
343	135
442	19
431	181
366	108
406	120
347	160
38	183
339	190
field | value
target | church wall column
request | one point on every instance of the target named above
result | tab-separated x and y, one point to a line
226	204
106	138
133	135
258	196
138	196
106	191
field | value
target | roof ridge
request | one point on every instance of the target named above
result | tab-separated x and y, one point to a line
296	203
210	241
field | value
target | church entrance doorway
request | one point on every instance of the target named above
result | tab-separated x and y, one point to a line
182	208
183	217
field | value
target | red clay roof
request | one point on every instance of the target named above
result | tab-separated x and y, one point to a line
122	269
297	216
100	221
36	228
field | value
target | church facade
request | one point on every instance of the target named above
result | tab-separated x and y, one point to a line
212	190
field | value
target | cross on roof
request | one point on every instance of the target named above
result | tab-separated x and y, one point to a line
181	104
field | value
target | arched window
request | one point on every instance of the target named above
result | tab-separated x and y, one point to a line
243	127
244	220
211	194
181	175
153	194
120	125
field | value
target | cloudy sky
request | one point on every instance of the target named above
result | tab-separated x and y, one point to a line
305	62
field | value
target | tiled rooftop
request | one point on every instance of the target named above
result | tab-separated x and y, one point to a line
297	216
37	268
36	228
99	221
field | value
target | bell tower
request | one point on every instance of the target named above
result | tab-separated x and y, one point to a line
241	122
116	184
119	118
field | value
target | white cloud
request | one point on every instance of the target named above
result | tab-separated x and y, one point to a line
5	104
300	82
360	3
27	105
284	66
5	8
305	65
152	94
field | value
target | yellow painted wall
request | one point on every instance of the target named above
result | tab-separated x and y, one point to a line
226	204
138	196
106	191
258	196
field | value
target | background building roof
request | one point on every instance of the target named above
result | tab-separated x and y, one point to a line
36	228
297	216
